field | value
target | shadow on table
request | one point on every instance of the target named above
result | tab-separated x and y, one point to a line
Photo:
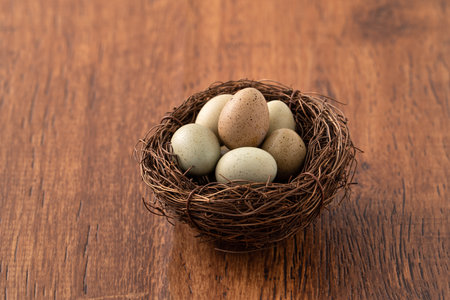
316	262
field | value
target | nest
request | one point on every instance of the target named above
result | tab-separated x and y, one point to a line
243	216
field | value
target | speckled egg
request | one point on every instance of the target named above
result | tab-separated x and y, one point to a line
280	116
197	148
208	116
288	150
244	120
246	163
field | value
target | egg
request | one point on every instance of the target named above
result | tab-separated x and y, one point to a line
280	116
208	115
288	150
197	148
246	163
244	119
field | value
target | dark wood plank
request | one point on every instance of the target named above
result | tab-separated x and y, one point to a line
82	81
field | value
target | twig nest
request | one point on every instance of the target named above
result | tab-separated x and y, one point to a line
243	215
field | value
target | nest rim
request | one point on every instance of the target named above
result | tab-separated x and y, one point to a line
242	216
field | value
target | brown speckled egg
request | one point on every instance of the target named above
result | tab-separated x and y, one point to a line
244	120
289	151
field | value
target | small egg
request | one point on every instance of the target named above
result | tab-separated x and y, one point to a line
280	116
208	115
288	149
246	163
244	120
197	148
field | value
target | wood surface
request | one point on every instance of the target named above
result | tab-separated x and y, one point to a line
82	81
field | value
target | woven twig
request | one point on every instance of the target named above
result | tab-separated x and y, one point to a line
244	215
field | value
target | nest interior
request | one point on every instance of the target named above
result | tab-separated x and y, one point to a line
242	216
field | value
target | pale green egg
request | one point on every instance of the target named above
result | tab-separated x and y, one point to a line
208	116
280	116
197	148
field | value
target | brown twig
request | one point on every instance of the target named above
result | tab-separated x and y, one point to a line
242	216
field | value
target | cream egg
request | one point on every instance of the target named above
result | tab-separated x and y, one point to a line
246	163
208	115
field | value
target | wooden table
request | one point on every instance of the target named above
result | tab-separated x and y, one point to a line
82	81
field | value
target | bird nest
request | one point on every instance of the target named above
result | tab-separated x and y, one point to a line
243	216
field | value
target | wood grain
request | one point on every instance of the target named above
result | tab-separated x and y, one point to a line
82	81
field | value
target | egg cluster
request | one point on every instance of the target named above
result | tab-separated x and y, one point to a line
241	122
